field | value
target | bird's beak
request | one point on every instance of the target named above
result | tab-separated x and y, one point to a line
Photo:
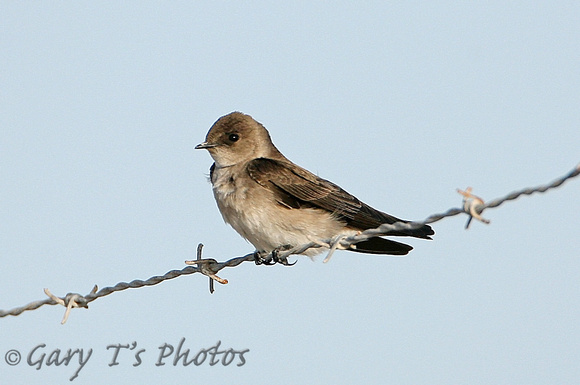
205	146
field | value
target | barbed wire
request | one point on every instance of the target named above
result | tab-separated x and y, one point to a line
473	206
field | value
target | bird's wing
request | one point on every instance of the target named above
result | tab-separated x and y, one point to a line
295	187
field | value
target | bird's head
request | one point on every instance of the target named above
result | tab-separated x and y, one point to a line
237	138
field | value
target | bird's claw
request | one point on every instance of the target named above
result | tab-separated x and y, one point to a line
272	258
261	258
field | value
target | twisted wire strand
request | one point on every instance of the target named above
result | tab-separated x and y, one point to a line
472	206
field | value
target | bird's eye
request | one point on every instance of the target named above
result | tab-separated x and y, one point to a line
233	137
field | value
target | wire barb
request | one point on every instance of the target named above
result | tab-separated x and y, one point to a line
473	206
71	300
334	244
209	267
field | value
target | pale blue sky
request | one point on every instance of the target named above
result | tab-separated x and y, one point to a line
102	103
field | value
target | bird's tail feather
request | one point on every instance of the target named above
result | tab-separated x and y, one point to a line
377	245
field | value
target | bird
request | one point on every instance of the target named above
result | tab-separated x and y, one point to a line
276	205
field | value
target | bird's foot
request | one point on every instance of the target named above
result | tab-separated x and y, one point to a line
272	258
263	258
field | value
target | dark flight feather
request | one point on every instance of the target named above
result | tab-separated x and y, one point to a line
295	187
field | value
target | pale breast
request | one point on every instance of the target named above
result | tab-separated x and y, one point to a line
254	213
